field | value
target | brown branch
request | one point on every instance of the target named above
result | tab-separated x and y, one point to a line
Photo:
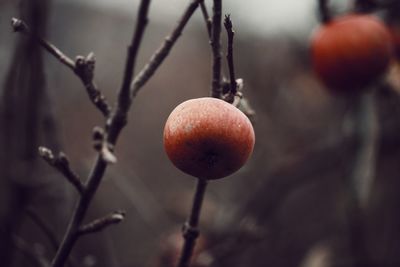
158	57
190	228
83	67
20	26
61	163
114	125
101	223
216	89
206	17
229	57
324	13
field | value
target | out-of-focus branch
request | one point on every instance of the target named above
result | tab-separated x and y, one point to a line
83	67
216	89
158	57
101	223
365	5
324	13
61	163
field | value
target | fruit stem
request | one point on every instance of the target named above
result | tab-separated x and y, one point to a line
190	230
324	13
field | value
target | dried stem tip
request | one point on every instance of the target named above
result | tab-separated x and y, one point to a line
18	25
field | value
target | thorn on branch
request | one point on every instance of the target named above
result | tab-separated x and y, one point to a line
99	224
61	163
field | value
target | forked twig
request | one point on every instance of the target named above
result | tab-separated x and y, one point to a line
115	123
116	120
158	57
83	67
61	163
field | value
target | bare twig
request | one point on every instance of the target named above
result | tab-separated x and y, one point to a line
229	56
324	13
20	26
124	99
216	49
158	57
206	17
101	223
83	67
61	163
190	230
115	123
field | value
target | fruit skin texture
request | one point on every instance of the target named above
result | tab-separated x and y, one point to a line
351	52
208	138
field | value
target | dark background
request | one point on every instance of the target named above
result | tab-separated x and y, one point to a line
290	205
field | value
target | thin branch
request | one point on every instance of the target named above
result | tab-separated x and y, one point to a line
115	123
229	56
61	163
83	67
20	26
324	13
101	223
206	17
216	49
158	57
124	99
190	228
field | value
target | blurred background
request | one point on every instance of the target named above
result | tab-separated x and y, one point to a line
295	203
